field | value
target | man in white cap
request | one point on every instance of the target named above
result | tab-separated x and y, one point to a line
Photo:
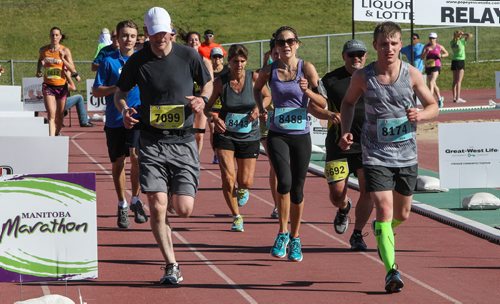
339	164
169	163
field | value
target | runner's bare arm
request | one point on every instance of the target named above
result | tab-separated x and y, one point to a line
260	82
311	90
354	92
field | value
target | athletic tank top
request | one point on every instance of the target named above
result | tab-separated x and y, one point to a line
53	68
287	94
235	109
433	57
388	139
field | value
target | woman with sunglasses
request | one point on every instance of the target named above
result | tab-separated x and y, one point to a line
433	52
293	83
236	137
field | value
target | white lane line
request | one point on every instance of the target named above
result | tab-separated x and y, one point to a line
374	259
45	289
214	268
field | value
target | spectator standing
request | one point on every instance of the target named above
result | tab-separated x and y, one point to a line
418	49
458	44
103	41
105	51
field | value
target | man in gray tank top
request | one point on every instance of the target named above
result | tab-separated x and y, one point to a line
388	137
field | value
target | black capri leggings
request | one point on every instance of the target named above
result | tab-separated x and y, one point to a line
290	156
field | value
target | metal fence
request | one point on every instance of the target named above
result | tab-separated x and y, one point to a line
324	51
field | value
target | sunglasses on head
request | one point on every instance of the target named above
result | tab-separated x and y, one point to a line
289	41
358	54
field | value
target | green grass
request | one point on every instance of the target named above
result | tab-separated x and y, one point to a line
26	24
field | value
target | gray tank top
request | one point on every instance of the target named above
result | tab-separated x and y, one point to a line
388	138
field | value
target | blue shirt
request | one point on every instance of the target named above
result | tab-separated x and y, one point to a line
418	49
107	75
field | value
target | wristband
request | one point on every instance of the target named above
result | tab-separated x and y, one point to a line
125	109
74	75
205	99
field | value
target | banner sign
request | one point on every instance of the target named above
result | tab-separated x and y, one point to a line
318	129
467	160
383	10
48	227
32	94
94	104
463	13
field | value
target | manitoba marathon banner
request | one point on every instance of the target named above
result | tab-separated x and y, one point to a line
48	228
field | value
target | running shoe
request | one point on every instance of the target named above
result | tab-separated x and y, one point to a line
460	100
215	160
122	217
237	224
279	248
242	195
357	242
275	214
441	101
295	253
341	221
172	276
393	282
140	215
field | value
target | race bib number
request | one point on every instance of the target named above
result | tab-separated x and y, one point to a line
290	118
336	170
238	123
430	63
394	129
166	116
53	73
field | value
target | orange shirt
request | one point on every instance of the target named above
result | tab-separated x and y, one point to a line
53	66
204	49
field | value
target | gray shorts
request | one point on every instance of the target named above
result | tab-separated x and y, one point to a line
402	180
169	167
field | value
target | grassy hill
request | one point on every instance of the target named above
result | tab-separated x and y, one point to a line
26	24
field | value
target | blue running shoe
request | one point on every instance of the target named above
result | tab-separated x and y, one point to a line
242	195
393	282
280	244
237	224
295	253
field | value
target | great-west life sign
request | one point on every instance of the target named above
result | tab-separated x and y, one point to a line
48	228
469	155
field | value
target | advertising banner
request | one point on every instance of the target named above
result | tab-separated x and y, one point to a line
383	10
48	227
318	129
32	94
469	155
460	13
94	104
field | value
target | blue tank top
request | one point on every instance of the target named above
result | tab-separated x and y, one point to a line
287	94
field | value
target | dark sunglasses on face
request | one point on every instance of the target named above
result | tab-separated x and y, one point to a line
356	54
414	38
289	41
209	36
217	56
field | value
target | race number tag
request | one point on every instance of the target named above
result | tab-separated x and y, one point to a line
238	123
430	63
336	170
394	129
290	118
166	116
53	73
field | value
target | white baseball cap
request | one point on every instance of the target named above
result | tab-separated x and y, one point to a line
157	20
433	35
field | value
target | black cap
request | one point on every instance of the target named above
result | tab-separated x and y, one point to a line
354	46
208	32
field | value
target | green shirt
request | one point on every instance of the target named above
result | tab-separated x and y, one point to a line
458	48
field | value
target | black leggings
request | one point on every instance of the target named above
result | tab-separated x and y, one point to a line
290	156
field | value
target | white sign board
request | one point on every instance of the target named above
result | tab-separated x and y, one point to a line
32	94
48	227
469	155
462	13
34	154
94	104
318	128
383	10
23	126
497	84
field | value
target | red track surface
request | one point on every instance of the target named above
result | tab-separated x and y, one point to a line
440	264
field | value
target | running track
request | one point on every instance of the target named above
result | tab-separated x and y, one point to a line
440	264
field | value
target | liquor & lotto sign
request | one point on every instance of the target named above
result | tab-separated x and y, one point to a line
48	228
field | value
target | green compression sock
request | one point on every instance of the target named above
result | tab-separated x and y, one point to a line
395	223
385	242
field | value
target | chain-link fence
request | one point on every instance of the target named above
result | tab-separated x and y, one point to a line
324	51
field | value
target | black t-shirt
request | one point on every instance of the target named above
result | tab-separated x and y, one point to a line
336	84
164	81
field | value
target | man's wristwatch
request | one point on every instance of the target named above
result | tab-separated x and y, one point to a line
205	99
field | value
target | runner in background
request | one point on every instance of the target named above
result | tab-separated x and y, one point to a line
340	164
388	138
293	82
433	52
121	142
236	137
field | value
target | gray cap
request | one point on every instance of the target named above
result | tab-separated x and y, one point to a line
354	46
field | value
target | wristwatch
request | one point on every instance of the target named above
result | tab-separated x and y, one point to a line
205	99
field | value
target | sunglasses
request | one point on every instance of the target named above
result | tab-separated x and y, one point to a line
217	56
209	35
289	41
414	38
356	54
